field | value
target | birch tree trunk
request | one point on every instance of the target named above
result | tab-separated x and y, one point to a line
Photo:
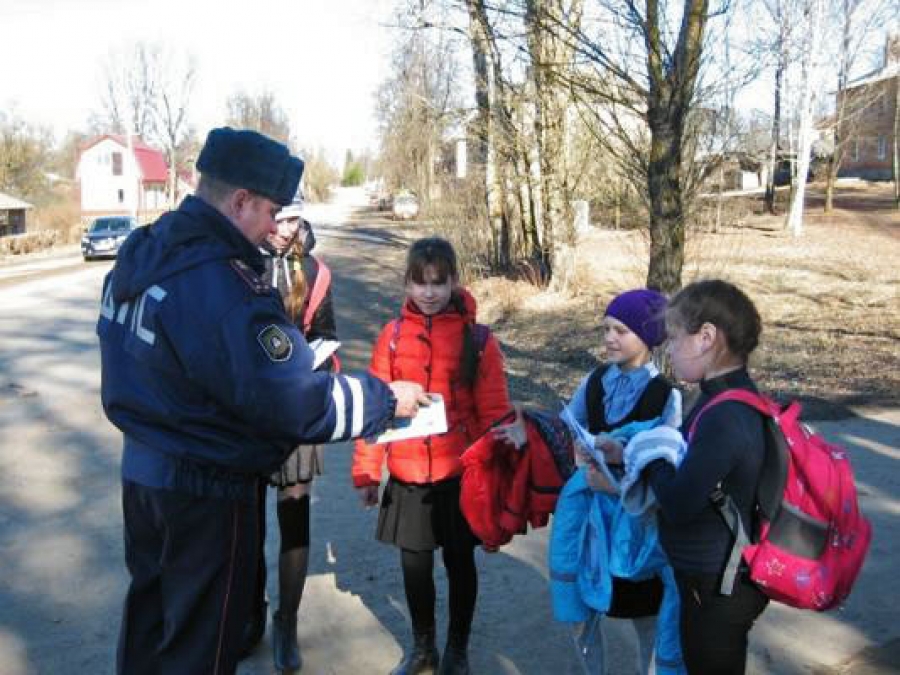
805	132
494	134
548	50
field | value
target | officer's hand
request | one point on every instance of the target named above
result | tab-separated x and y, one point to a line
368	495
410	396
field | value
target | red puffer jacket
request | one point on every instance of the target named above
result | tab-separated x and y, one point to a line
505	489
427	350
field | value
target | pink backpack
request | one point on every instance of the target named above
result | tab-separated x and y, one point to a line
812	539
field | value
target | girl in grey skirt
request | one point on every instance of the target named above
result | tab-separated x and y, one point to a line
304	283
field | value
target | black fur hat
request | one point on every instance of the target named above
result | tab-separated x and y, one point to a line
249	160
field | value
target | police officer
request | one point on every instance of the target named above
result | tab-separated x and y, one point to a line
212	386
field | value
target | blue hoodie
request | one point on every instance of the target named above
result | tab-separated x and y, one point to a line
202	371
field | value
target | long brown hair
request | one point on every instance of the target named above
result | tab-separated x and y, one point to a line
296	297
439	253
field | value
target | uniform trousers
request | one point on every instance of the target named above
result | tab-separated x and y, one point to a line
192	562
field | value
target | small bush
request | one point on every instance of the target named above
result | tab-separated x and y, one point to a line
20	244
354	175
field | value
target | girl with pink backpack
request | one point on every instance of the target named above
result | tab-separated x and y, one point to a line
713	328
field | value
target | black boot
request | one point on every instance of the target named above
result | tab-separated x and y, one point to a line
455	660
285	647
422	659
254	630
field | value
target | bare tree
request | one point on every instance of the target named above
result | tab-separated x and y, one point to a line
778	45
177	77
419	103
147	92
895	161
130	87
856	22
261	112
318	175
549	22
24	154
661	98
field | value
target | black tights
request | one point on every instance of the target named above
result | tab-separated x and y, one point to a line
418	581
293	562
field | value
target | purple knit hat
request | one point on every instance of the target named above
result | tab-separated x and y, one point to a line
643	311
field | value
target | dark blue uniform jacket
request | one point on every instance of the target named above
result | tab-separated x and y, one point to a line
207	378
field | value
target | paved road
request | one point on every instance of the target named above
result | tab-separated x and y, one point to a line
63	578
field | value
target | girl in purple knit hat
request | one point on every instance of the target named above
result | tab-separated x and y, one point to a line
626	392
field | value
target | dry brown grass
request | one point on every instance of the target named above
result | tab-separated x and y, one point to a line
829	300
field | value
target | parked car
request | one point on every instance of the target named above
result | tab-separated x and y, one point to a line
105	235
406	207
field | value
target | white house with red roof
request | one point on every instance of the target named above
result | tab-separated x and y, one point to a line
118	180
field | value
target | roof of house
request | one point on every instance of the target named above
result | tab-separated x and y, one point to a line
9	202
151	161
885	73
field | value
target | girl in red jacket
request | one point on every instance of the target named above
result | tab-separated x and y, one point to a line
433	343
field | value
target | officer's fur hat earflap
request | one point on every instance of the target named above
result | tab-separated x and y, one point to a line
249	160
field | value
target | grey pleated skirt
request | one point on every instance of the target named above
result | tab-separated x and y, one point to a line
423	517
303	464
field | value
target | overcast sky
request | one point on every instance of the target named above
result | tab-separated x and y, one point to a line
322	59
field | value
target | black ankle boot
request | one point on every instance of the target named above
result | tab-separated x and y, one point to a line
422	659
455	660
254	630
285	647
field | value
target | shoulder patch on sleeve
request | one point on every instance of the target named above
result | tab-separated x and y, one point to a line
275	343
256	283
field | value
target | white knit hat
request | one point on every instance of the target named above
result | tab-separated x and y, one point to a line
290	211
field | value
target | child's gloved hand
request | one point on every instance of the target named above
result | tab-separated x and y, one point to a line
513	433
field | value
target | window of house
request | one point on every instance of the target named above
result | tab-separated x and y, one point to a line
854	151
882	147
117	164
121	196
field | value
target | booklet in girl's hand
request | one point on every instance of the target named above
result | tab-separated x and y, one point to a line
322	349
429	421
587	440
